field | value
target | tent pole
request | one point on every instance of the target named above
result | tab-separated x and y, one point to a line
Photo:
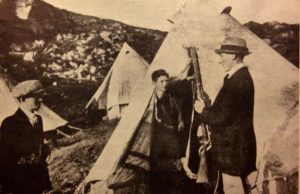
62	133
76	128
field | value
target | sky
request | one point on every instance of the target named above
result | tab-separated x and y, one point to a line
154	13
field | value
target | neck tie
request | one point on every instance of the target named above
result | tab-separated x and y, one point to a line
34	120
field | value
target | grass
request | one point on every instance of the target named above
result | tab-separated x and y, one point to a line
72	158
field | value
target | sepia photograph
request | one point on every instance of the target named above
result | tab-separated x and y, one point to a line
149	96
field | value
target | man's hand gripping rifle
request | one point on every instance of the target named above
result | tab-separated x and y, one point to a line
202	133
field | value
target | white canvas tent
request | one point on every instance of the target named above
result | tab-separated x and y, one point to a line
9	105
115	91
279	162
201	25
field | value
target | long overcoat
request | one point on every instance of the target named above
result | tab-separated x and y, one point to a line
231	121
18	141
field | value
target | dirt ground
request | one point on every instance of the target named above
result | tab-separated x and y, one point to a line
72	158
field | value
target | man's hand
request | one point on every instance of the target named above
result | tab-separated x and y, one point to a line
199	106
187	170
45	152
180	126
206	99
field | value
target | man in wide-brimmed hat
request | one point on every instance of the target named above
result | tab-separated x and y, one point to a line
23	167
231	118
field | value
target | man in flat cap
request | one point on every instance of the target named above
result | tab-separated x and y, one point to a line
22	150
231	119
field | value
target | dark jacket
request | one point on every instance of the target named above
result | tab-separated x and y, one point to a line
184	90
165	153
18	141
231	121
165	143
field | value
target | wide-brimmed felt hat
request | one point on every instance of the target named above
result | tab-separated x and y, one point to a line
27	88
233	45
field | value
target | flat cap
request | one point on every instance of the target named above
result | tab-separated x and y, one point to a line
27	88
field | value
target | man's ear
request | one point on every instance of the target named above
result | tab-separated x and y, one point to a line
233	57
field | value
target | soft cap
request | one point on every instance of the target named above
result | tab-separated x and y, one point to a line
26	88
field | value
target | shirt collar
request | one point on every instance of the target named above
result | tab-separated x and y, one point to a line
162	95
235	69
29	114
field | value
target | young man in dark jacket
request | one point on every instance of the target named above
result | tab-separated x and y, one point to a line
166	176
22	150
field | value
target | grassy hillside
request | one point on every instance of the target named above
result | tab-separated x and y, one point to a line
71	53
284	38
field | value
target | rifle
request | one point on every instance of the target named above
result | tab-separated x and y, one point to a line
204	140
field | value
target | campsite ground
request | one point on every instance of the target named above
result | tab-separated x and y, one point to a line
72	158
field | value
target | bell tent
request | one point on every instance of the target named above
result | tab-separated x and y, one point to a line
114	94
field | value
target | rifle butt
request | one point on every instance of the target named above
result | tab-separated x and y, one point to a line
202	174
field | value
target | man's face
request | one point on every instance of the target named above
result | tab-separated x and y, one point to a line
32	103
161	83
226	60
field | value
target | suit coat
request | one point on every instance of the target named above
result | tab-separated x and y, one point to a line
19	139
231	121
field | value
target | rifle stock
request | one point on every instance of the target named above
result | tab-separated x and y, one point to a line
202	174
